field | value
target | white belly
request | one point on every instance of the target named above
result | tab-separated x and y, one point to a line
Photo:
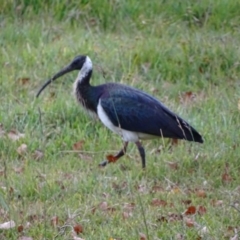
126	135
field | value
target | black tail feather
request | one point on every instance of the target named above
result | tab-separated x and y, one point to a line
188	132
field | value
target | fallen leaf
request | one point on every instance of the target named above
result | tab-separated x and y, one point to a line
78	228
187	202
173	165
103	206
20	228
22	149
11	190
162	219
201	210
200	69
19	169
189	222
23	80
187	97
175	190
34	217
154	90
105	195
93	210
142	236
126	215
217	203
54	221
111	209
129	206
60	184
239	104
172	217
201	193
38	154
226	178
78	145
190	211
229	232
8	225
127	210
67	175
142	189
158	202
15	135
157	188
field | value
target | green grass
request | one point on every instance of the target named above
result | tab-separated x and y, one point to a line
165	48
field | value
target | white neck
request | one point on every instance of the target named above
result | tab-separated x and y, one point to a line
86	68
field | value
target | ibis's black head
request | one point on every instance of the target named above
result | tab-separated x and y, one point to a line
77	64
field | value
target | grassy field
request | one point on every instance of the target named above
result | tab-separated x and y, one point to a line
185	53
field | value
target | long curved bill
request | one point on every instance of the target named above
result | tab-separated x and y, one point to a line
57	75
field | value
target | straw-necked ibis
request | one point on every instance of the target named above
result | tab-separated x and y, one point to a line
127	111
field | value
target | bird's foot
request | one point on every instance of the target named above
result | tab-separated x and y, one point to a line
110	159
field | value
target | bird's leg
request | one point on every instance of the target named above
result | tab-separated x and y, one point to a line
113	158
142	153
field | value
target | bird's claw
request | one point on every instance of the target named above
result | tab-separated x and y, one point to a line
103	163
